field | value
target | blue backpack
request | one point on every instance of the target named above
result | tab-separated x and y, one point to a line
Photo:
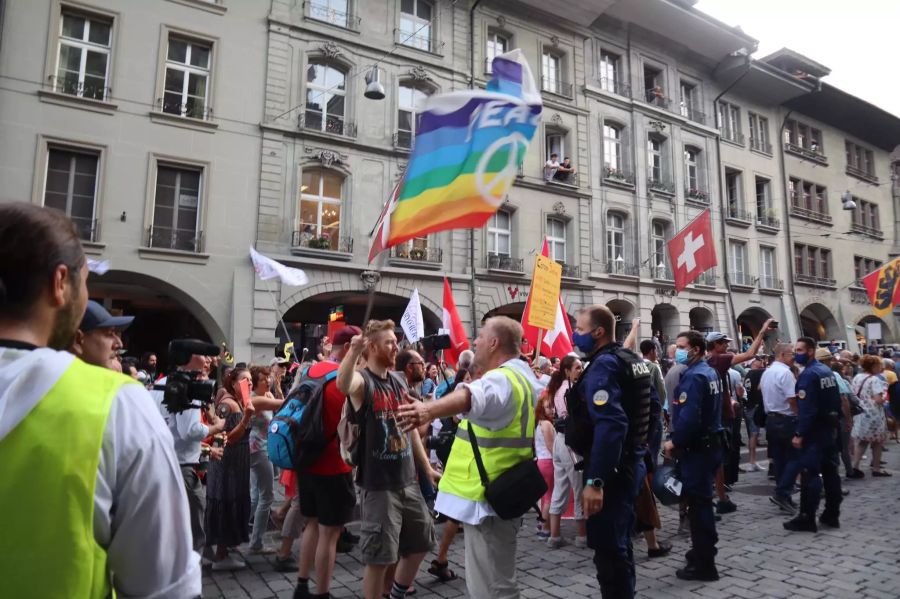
296	434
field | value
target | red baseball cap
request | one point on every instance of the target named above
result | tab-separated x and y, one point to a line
345	334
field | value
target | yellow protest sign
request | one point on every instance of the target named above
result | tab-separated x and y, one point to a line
544	294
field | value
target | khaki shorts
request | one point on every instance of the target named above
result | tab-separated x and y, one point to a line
394	524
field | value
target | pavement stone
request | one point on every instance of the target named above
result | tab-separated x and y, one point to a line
757	558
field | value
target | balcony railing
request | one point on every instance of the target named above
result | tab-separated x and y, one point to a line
865	230
707	279
503	262
768	283
656	97
660	268
88	228
814	155
568	179
570	271
430	255
691	113
660	186
815	281
72	87
696	196
735	137
555	85
859	296
192	109
403	140
760	145
812	215
620	267
768	222
328	243
422	41
337	125
618	175
175	239
736	213
741	279
861	174
614	86
320	11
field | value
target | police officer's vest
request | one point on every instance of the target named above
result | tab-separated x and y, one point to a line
500	450
49	463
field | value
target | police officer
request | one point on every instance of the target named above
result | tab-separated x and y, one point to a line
696	443
816	442
614	391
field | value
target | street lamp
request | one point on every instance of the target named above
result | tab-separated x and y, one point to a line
847	201
374	88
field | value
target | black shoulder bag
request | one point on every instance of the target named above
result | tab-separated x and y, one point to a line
514	492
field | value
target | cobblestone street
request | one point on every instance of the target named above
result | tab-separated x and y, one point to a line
757	557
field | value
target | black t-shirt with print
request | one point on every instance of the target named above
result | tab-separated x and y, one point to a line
386	459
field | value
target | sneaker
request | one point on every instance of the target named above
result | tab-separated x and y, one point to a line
543	534
726	507
555	542
284	564
747	467
261	550
690	572
663	549
580	542
856	473
786	504
801	523
228	564
829	520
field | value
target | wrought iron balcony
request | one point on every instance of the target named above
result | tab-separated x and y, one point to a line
813	154
660	268
707	279
737	214
175	239
191	109
735	137
88	228
618	175
691	113
567	179
861	174
769	283
660	186
504	262
656	97
328	243
811	215
570	271
769	223
313	120
421	41
696	196
429	255
620	267
403	140
760	145
555	85
615	86
72	87
866	230
320	11
815	281
740	279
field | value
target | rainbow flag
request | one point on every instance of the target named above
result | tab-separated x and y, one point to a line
469	146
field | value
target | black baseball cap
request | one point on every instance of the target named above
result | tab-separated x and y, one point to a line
96	317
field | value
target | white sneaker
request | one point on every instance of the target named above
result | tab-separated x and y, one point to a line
747	468
228	564
555	542
580	542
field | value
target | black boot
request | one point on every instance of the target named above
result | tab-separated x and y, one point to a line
694	572
830	520
801	523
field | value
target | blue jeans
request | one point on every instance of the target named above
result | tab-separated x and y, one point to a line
698	471
609	532
780	431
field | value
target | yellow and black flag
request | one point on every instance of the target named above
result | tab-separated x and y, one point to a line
883	287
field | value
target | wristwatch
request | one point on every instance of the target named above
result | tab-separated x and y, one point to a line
597	483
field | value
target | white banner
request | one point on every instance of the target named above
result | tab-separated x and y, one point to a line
873	331
412	323
267	269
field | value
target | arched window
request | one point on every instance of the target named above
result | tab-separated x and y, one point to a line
409	103
321	198
612	148
325	92
615	242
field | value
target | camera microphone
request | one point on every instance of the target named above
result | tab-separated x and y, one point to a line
303	355
181	350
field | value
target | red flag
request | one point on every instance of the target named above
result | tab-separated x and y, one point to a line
883	287
557	343
382	224
693	251
458	340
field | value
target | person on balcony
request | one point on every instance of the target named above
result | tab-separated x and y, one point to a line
551	167
566	172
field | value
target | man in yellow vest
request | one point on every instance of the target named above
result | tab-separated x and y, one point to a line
499	406
92	501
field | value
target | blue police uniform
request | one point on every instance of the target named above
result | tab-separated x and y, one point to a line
696	434
614	459
819	407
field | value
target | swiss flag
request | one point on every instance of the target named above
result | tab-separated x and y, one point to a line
692	251
382	224
458	340
556	343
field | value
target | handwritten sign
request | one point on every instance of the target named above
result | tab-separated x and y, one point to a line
544	293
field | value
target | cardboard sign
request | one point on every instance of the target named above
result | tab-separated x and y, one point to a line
544	293
244	391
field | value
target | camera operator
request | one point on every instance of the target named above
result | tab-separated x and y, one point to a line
91	503
189	431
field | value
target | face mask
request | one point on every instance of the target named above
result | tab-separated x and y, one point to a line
801	359
682	356
583	341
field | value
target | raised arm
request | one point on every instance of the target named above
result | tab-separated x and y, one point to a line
631	340
754	347
349	381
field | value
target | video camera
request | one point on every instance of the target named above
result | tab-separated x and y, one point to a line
436	342
182	390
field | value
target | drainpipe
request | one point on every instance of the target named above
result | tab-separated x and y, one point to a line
734	326
787	221
472	231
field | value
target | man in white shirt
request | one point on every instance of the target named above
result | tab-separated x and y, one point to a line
778	387
488	403
543	369
551	167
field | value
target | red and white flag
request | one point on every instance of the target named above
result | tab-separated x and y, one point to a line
557	343
458	340
382	225
692	251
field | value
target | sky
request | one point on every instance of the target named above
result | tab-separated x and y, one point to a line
857	40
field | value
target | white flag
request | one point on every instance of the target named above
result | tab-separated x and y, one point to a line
99	267
267	269
412	322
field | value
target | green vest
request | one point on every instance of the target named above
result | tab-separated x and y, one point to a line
47	493
500	450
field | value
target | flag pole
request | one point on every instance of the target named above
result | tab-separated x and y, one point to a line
277	311
370	302
540	341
